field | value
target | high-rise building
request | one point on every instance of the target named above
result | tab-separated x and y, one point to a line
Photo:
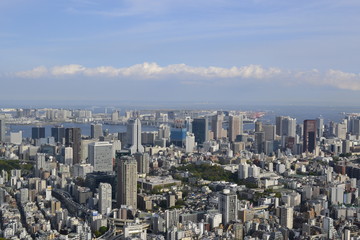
288	127
68	156
278	123
134	136
235	127
38	132
101	156
319	127
127	182
228	206
309	136
2	129
189	142
243	171
143	162
200	129
73	139
286	217
105	201
96	131
216	125
16	137
269	131
258	126
259	142
58	133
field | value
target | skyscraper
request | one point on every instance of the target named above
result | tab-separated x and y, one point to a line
134	136
216	125
288	127
278	123
269	131
58	133
143	162
258	126
228	206
38	132
319	127
127	182
235	127
100	156
73	139
96	131
2	129
105	191
200	129
309	136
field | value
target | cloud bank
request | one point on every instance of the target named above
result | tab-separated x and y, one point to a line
184	73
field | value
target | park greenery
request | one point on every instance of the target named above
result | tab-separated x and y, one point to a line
8	165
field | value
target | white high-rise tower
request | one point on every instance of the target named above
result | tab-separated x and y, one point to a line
134	136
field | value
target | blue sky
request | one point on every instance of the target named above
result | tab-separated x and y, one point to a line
248	51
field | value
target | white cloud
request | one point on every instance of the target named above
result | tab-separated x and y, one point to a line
190	75
34	73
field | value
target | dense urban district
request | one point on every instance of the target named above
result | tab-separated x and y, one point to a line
196	175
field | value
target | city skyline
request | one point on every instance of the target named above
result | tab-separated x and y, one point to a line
248	51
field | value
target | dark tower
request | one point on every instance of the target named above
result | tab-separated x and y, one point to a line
73	139
309	136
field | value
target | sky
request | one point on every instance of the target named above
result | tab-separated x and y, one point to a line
225	51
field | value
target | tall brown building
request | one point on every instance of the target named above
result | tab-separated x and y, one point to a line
309	136
235	127
73	139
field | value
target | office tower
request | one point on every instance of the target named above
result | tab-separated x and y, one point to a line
68	156
258	126
188	124
200	129
286	216
288	127
58	133
105	201
2	129
235	127
300	130
115	116
134	136
38	132
73	139
341	130
319	127
278	122
101	156
178	136
16	137
96	131
309	136
259	142
345	146
143	162
127	182
269	131
216	125
189	142
228	206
